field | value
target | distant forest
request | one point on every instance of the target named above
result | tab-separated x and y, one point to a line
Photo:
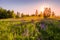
10	13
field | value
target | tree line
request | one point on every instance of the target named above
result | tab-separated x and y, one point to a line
10	13
6	13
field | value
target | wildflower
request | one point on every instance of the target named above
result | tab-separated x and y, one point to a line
43	26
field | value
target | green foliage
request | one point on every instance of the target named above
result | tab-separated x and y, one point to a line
19	30
51	31
6	13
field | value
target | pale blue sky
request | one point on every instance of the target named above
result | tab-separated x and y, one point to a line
29	6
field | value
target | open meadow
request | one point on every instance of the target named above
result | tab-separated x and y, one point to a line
29	19
16	29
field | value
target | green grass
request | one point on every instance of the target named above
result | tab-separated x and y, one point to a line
29	30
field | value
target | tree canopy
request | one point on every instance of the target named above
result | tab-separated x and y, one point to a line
6	13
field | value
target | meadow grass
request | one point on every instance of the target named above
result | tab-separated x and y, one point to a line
46	29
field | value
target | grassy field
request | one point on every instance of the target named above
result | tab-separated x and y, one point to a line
19	29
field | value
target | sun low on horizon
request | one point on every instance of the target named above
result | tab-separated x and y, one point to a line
42	7
30	6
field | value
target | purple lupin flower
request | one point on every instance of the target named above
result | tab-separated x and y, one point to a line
43	26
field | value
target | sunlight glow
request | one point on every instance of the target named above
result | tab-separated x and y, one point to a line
43	7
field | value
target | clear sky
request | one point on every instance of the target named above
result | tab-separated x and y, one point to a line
29	6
